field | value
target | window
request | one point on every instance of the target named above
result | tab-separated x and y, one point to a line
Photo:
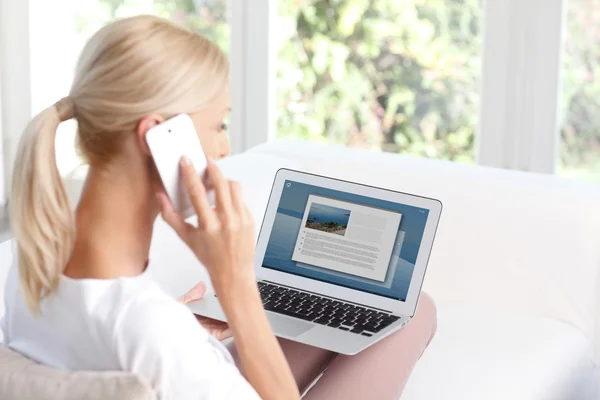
389	75
580	136
397	76
59	30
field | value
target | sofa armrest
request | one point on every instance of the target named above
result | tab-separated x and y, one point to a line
22	378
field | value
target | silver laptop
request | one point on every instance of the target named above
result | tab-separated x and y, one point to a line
339	265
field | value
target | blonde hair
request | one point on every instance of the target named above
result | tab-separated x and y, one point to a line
128	69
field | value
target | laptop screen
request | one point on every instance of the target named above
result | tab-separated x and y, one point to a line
346	239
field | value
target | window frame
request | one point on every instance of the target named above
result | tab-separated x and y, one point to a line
253	63
15	81
521	84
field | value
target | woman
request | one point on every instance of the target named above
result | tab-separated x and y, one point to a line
80	298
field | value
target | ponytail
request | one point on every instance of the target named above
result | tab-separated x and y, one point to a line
41	217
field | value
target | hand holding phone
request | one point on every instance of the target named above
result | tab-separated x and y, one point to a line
168	143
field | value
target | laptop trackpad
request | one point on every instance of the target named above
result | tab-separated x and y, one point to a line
287	326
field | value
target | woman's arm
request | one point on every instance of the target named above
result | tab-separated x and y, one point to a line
261	357
224	243
161	340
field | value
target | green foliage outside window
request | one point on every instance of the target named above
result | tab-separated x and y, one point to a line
580	145
400	76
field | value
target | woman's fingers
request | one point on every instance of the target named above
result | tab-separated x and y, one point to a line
172	217
197	193
220	330
221	186
195	293
237	197
225	334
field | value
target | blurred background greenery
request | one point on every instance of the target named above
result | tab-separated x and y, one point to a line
580	144
397	76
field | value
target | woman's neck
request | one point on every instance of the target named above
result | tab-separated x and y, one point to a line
114	221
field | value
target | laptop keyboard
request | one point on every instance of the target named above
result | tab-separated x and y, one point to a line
322	310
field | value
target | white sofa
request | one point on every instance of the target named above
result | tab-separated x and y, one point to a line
514	269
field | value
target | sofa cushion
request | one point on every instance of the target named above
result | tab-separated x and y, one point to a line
478	354
24	379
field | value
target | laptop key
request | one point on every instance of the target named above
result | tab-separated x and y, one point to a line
290	313
384	324
372	328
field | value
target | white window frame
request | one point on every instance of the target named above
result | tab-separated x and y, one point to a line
253	62
522	71
521	82
15	80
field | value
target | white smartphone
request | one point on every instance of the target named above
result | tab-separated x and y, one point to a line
168	142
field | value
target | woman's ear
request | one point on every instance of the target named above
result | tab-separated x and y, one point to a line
145	124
